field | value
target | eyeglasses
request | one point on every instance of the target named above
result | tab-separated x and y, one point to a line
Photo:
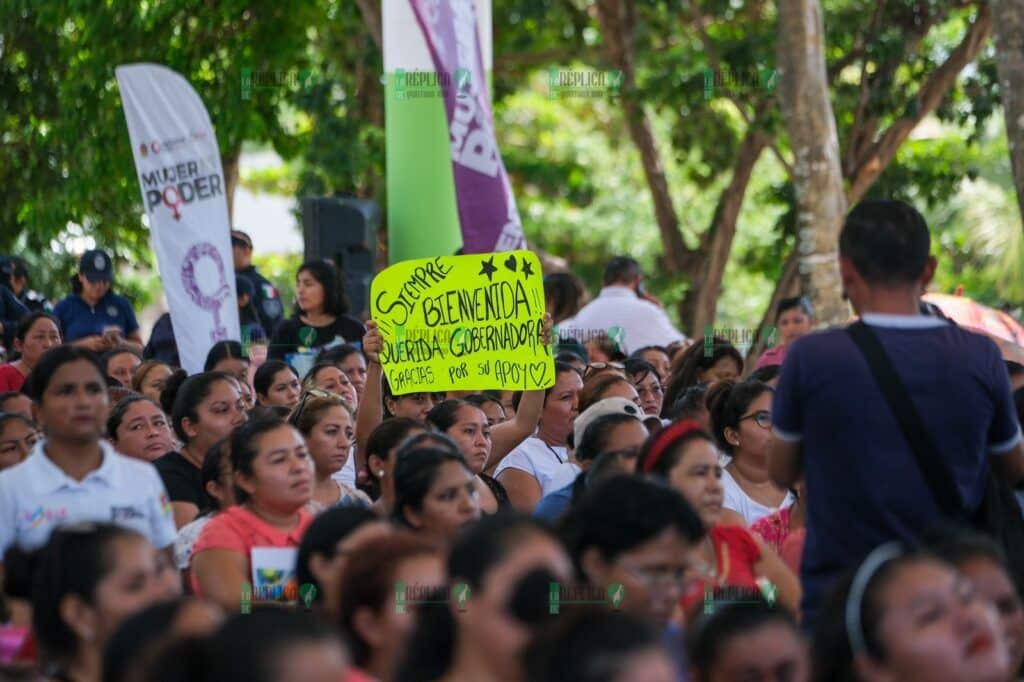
594	367
762	418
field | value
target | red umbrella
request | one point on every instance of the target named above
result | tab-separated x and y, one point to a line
968	313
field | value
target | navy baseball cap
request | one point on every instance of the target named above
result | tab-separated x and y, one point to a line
96	266
6	266
241	239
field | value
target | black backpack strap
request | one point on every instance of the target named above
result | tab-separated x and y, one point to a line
936	474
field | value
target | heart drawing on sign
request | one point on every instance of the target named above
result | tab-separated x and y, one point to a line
510	263
538	373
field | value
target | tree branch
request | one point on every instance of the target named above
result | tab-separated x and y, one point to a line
372	18
928	97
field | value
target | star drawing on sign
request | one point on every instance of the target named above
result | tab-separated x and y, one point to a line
487	268
527	269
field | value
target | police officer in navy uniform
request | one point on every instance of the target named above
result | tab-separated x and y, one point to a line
266	299
94	316
11	309
16	268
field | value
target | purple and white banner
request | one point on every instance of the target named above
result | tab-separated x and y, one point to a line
178	162
487	209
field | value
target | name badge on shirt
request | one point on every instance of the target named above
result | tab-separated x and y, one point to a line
122	514
273	574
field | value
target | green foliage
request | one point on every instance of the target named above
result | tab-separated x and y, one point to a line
280	269
65	157
67	176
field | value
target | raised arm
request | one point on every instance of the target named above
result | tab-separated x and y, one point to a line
371	408
505	437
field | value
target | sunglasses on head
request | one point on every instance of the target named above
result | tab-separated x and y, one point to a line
306	395
598	366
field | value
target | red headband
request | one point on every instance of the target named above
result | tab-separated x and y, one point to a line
667	438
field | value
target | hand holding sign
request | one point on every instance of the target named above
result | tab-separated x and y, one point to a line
462	323
372	342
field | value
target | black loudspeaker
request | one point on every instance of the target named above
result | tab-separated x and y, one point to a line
344	230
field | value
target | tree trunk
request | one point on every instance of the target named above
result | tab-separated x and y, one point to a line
807	110
707	265
616	19
230	164
1009	30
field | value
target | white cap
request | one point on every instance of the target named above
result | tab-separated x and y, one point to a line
601	408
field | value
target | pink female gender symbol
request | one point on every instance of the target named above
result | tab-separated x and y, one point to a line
173	205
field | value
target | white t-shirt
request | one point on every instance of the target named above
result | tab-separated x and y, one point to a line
548	464
36	497
741	503
186	539
347	474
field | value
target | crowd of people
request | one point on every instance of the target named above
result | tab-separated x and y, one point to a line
841	507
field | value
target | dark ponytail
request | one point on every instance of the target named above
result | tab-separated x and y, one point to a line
170	390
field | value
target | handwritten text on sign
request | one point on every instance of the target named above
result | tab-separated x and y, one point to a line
463	323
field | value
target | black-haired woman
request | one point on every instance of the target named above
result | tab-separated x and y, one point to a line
741	421
74	474
207	408
435	491
684	456
328	544
255	542
36	333
381	454
320	319
277	384
908	616
378	579
18	434
138	428
500	570
82	584
701	363
747	640
466	424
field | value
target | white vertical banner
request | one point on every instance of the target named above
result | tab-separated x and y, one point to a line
182	182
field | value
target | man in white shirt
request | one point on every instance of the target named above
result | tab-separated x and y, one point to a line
623	311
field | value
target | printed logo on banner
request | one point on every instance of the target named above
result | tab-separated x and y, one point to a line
211	302
463	323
